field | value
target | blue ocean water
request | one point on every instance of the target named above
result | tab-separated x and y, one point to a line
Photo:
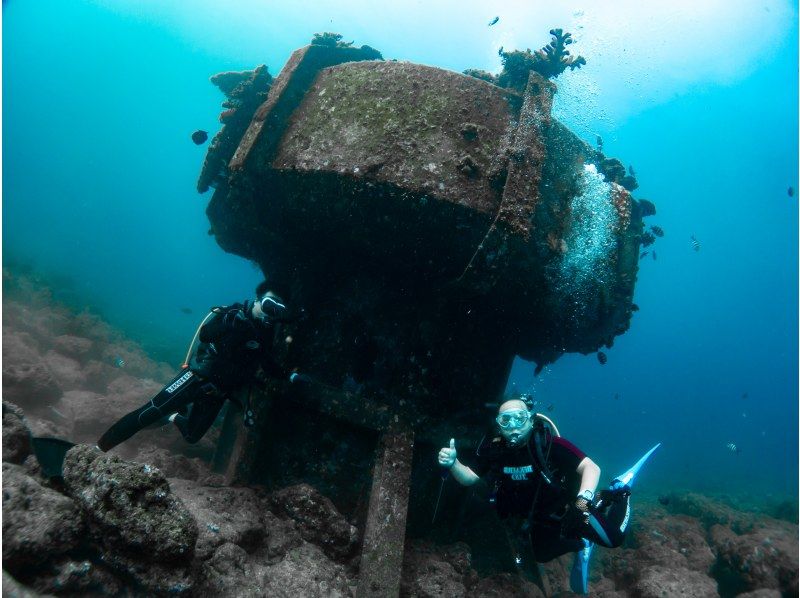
100	98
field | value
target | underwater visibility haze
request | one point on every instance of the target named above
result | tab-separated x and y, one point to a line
108	113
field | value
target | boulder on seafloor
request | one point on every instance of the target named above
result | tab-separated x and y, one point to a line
316	519
303	571
76	347
38	522
677	541
71	577
430	570
172	465
229	571
224	516
710	511
505	585
67	371
131	506
27	380
661	581
763	558
16	435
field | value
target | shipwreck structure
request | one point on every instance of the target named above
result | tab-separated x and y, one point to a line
432	226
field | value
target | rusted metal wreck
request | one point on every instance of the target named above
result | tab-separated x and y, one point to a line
433	226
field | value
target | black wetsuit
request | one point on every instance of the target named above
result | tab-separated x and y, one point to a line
233	346
518	489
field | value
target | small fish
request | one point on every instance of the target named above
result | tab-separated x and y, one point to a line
494	21
695	243
200	137
648	239
664	500
186	310
643	255
631	171
616	396
790	191
550	407
654	256
602	358
119	362
657	231
732	448
744	395
600	143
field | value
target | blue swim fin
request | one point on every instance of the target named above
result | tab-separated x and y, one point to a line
579	575
626	479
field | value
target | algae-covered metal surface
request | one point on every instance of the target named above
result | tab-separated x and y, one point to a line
433	225
402	124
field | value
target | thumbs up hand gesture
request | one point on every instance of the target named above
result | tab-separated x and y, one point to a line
447	456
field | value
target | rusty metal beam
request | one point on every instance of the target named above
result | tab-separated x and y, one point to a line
385	531
525	158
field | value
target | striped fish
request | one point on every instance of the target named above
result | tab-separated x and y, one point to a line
695	243
732	448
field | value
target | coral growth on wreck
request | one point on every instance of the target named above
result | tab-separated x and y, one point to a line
245	91
333	40
615	172
549	61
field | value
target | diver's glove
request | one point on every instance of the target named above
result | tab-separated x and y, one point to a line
620	488
577	515
447	456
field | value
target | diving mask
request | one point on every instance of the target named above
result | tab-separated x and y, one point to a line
272	307
513	419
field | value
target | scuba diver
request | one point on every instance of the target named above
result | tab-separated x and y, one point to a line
235	341
536	476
